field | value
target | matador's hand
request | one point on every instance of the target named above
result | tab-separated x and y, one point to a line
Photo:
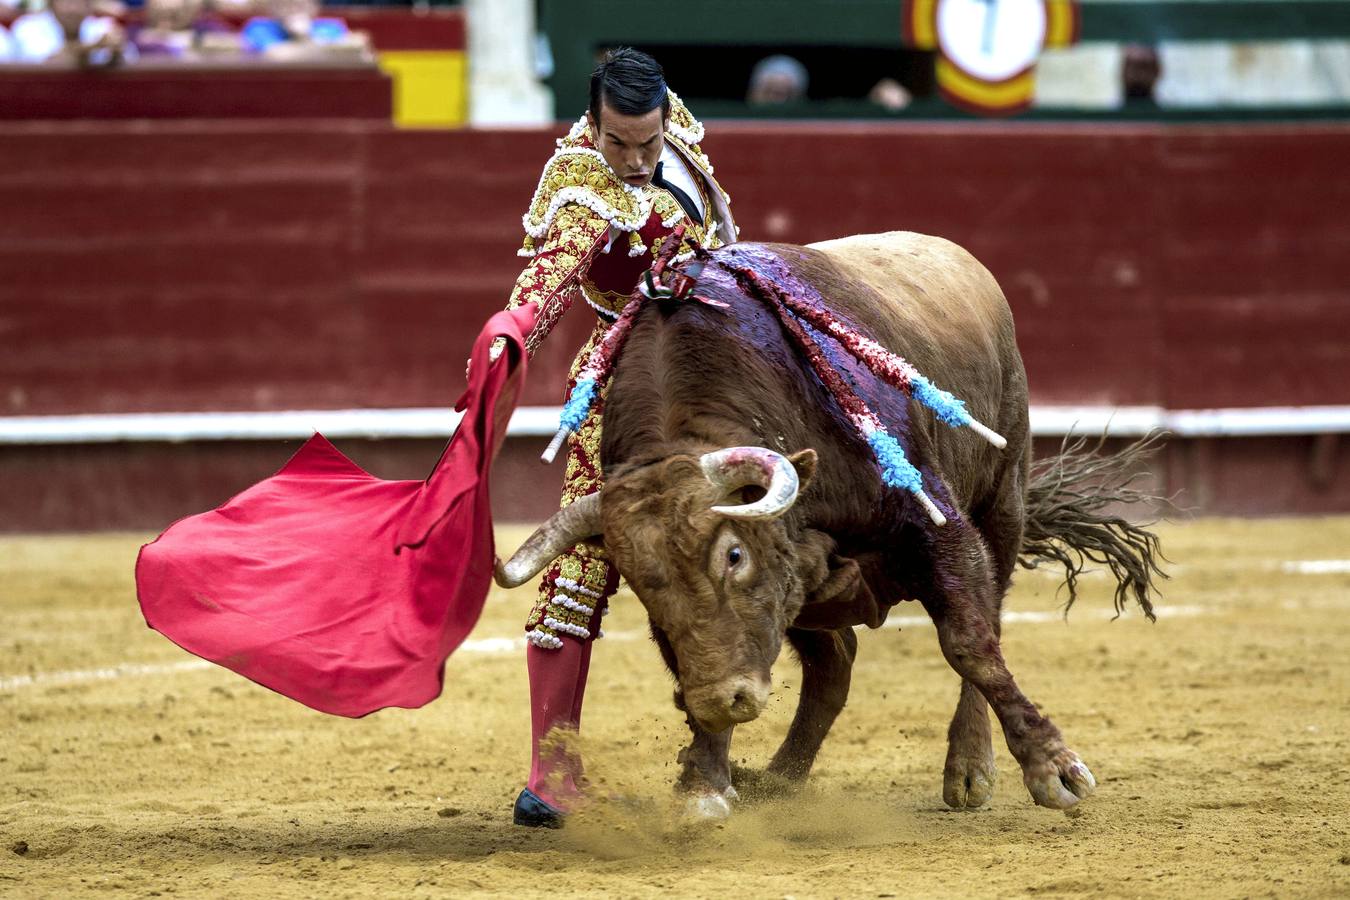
494	351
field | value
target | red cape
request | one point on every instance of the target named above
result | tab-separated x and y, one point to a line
336	588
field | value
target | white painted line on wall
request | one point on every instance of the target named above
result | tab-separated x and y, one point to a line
1133	421
1121	421
244	426
542	421
1267	421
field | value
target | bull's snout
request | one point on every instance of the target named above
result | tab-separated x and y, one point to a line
720	705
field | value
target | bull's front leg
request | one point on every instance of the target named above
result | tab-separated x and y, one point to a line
1053	773
827	668
706	774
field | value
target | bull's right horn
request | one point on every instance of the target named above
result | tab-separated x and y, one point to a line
736	467
566	528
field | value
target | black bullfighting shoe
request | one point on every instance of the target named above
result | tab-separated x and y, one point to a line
532	812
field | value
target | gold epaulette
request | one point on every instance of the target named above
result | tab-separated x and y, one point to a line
580	175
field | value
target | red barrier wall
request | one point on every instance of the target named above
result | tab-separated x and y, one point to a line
156	266
146	486
262	266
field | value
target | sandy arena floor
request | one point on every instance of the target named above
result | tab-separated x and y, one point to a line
1218	736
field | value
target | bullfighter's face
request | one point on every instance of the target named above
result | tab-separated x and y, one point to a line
631	145
721	589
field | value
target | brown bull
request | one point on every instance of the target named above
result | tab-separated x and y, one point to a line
743	508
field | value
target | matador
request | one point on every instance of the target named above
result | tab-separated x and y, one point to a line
625	175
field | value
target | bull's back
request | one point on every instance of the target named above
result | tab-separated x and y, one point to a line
934	289
933	303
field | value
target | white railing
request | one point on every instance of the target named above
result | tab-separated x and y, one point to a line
542	421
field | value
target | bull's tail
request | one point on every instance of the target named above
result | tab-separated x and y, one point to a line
1068	521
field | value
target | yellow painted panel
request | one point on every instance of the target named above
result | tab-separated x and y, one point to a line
431	87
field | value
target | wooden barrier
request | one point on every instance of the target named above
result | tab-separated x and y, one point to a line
188	265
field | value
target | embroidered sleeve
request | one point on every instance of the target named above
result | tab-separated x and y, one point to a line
551	279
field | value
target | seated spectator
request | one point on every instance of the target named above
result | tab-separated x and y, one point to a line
8	48
294	31
781	79
1139	72
890	95
175	29
777	79
70	31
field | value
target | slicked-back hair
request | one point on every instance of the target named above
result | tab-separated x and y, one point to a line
630	82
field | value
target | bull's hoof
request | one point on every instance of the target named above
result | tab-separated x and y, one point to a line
532	812
710	805
1060	781
967	783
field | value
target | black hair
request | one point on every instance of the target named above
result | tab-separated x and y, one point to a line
631	82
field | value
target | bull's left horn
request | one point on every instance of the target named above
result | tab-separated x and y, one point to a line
736	467
568	527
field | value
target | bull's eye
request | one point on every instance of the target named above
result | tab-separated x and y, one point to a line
734	556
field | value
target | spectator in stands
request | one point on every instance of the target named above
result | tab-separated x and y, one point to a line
782	79
294	30
777	79
1139	72
172	28
890	95
76	31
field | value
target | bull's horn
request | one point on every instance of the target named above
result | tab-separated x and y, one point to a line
736	467
567	527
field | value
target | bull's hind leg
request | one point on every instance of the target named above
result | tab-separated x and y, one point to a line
969	773
827	669
957	602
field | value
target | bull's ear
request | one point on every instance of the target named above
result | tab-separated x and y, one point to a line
804	461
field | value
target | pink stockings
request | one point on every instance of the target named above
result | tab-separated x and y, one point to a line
557	687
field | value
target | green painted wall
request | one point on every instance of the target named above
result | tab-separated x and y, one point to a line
576	28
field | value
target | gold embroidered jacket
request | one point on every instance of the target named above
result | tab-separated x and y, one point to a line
588	232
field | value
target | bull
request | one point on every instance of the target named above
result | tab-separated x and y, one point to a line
744	510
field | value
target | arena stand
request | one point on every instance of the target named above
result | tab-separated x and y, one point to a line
1186	277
